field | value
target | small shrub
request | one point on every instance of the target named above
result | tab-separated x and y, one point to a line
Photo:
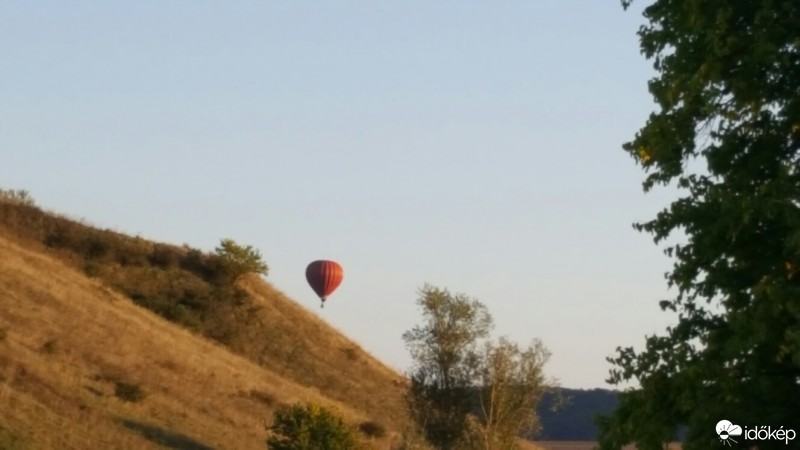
351	353
17	196
195	261
164	256
222	331
372	429
309	427
170	365
128	392
263	397
50	346
60	237
96	246
91	269
10	441
126	251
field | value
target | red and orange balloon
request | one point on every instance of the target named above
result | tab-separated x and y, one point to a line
324	277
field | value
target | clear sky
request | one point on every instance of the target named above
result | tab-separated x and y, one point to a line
472	145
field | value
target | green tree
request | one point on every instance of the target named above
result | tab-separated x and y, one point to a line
445	352
726	135
511	384
238	260
467	395
309	427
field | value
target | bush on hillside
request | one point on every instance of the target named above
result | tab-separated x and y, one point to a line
11	441
18	196
165	256
128	392
235	260
309	427
185	285
372	429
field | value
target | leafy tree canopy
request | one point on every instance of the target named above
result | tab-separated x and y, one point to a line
240	259
445	351
726	134
465	395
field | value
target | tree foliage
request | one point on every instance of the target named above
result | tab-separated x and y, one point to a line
239	260
18	196
726	134
445	350
511	383
467	395
309	427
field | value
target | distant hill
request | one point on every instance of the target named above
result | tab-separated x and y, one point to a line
574	421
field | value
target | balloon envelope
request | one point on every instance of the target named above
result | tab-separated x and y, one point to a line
324	277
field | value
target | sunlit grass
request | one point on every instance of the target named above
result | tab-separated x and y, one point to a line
70	342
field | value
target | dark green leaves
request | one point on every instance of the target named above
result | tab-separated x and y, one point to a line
727	134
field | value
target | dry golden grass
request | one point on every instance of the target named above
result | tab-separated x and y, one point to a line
584	445
265	327
310	351
68	340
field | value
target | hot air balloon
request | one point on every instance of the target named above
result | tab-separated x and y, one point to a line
324	277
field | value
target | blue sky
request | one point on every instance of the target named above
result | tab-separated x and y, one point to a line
471	145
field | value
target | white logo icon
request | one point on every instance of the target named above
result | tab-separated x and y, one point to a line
726	430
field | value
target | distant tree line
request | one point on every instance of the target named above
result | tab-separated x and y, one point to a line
570	415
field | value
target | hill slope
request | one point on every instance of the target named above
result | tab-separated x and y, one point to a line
113	341
68	341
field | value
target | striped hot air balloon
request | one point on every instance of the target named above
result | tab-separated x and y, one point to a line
324	277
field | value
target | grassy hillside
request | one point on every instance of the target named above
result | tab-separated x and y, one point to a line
73	333
83	367
113	341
